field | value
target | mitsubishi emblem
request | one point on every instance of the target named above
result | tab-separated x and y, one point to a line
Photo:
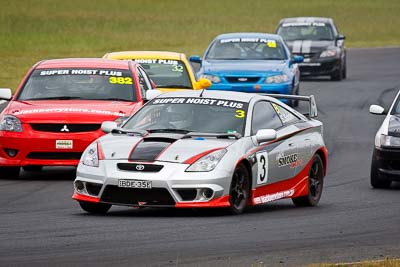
64	129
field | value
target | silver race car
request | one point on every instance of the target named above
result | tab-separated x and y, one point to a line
203	149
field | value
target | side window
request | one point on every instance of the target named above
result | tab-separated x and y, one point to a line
264	117
285	115
144	82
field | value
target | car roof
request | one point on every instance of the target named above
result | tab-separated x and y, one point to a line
84	63
249	35
306	20
144	54
226	95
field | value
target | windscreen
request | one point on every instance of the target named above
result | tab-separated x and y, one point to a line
85	84
246	49
316	31
167	73
205	115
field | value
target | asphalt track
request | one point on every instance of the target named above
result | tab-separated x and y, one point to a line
41	225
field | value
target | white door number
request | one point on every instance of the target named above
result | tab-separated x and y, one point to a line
262	162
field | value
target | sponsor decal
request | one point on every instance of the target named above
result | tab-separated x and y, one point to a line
156	61
292	160
80	72
302	24
272	197
62	110
64	144
199	101
268	42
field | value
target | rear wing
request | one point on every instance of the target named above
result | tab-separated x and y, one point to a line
312	111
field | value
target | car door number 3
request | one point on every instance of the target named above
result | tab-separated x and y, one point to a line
262	162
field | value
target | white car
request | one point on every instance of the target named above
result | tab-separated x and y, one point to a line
385	165
194	149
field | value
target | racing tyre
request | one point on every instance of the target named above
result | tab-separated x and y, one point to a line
239	190
344	75
377	182
315	184
32	168
337	75
9	172
97	208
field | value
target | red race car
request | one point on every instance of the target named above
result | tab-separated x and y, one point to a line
58	109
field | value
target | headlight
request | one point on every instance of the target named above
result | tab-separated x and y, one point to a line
91	155
10	123
277	79
329	53
389	141
212	78
208	162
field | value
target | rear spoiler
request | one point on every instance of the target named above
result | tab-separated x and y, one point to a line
313	111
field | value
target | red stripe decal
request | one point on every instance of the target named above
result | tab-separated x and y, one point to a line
199	156
221	202
293	187
80	197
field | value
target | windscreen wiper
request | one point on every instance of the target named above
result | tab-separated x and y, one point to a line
129	132
168	130
57	98
217	135
174	86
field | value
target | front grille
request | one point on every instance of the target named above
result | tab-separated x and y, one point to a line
391	164
187	194
65	128
242	79
306	55
139	167
134	196
93	188
54	155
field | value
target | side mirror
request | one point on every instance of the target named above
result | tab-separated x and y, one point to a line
340	37
297	59
5	93
153	84
203	83
150	94
377	110
195	59
108	126
265	135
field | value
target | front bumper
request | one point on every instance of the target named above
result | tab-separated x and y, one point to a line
39	148
273	88
171	186
319	66
388	163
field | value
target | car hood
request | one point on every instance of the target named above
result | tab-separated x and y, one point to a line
158	147
243	66
394	126
308	46
67	111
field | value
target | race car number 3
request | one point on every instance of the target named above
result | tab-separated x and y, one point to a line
262	162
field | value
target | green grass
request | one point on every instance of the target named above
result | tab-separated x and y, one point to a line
32	30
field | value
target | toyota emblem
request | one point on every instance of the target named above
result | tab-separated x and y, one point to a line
140	167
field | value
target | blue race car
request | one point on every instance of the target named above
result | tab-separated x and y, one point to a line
250	62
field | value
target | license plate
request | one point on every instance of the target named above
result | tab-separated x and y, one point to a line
134	184
64	144
310	64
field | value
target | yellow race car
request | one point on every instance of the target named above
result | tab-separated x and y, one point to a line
170	71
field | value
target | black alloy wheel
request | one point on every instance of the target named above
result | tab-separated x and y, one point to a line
315	184
239	190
